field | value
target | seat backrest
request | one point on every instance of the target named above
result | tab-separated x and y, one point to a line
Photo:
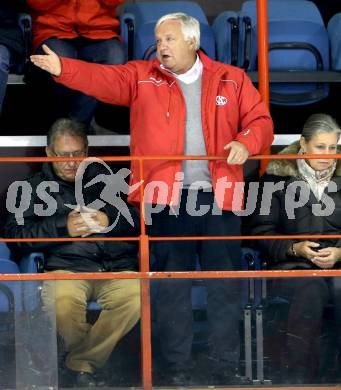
298	41
34	263
5	253
334	32
295	21
25	24
226	31
8	266
138	23
10	291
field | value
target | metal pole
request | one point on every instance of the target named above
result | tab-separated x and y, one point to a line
146	333
263	60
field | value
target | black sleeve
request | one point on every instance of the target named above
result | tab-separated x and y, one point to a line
121	225
264	223
29	225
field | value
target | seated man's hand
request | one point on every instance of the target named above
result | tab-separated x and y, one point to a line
327	257
98	219
306	249
86	222
238	153
77	226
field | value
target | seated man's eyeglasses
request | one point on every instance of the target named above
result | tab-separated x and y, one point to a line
76	153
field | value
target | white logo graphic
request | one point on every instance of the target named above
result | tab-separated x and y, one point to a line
220	100
154	79
115	184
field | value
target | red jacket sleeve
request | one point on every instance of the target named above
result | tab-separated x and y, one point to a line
113	84
256	131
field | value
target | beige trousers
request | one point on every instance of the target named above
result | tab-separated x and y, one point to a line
90	346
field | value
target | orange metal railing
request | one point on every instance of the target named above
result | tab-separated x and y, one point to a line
144	241
263	61
263	48
144	274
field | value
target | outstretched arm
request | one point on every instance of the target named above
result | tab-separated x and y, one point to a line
113	84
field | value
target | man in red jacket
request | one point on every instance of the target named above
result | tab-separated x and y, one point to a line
183	103
87	30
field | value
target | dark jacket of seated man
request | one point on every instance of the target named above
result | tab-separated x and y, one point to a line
77	256
44	202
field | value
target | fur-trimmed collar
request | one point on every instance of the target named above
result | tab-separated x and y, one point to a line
287	168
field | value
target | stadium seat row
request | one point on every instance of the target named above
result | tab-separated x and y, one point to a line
298	41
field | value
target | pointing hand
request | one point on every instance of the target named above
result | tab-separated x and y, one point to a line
49	61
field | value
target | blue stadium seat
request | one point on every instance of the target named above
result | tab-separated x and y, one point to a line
25	24
139	19
226	31
5	253
21	295
34	263
334	31
298	41
31	264
10	291
10	302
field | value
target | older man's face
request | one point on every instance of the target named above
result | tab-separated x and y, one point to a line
67	146
173	51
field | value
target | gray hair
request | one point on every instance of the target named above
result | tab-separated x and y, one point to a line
65	126
190	26
320	123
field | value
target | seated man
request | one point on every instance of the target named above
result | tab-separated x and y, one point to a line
11	42
88	346
86	30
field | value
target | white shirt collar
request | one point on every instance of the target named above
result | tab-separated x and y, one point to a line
191	75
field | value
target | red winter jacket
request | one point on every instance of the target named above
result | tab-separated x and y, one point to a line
94	19
232	109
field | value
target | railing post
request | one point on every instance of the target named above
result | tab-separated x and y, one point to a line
146	332
263	61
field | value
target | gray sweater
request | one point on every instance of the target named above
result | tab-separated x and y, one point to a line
195	170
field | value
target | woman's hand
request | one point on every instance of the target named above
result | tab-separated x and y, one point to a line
327	257
49	61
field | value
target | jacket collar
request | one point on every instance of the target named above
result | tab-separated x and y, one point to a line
49	172
289	168
208	65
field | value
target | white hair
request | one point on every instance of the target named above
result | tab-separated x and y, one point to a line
190	26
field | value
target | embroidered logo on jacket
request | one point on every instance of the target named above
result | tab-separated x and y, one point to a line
220	100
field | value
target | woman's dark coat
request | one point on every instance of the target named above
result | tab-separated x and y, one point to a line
284	220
